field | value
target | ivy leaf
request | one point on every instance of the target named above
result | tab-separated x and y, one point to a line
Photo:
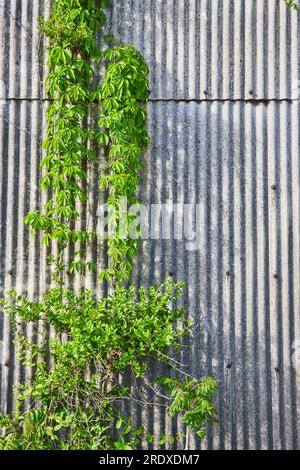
119	422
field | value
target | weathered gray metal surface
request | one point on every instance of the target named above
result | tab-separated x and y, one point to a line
196	49
217	149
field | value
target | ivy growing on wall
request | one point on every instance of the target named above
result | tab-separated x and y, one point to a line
75	399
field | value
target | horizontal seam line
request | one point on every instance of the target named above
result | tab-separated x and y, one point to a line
182	100
208	100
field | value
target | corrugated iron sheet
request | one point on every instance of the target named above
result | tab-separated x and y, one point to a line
224	126
213	49
196	49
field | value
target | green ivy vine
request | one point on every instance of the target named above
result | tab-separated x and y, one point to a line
75	399
73	54
124	92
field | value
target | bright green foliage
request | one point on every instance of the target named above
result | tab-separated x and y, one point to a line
107	336
70	144
73	54
74	399
193	398
124	326
124	91
292	3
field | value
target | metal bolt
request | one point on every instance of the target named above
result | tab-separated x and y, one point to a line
229	366
277	369
227	273
205	92
273	187
171	274
251	92
275	275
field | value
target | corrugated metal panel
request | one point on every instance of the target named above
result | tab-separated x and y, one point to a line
246	321
196	49
223	49
21	48
221	152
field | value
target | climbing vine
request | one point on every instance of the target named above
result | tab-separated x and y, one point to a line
73	54
124	91
75	400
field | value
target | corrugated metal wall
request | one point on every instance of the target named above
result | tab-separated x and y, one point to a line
224	126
